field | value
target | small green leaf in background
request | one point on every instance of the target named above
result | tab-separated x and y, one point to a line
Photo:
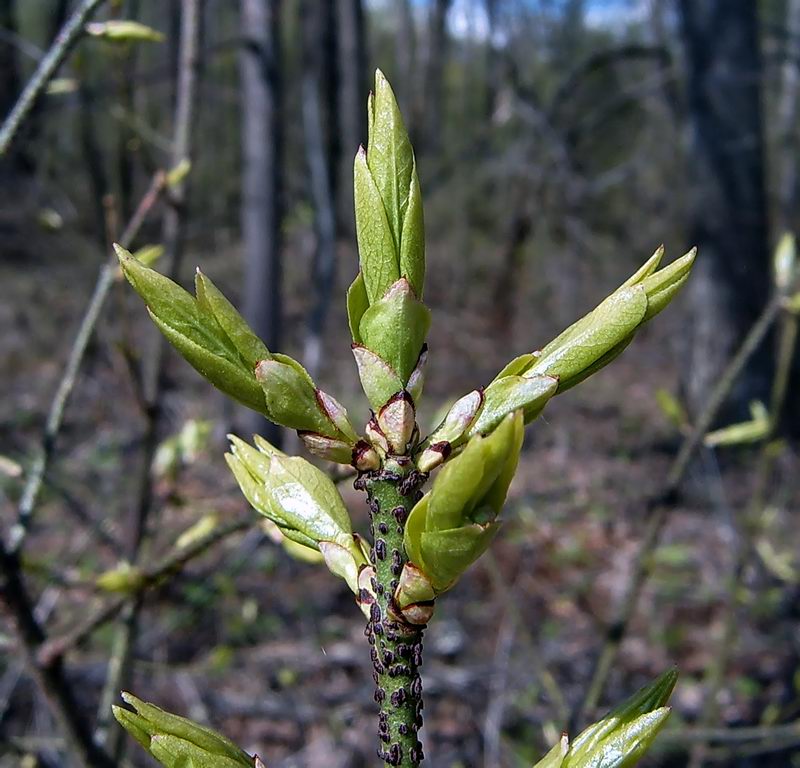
176	175
125	579
177	742
753	431
124	31
672	408
785	262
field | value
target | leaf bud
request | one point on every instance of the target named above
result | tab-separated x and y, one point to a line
453	427
176	741
376	437
453	524
295	495
293	401
434	455
397	420
365	458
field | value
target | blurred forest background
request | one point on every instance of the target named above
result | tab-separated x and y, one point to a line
559	142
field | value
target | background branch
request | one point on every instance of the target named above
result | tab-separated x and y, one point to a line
63	44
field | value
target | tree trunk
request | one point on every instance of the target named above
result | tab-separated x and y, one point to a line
262	178
434	81
352	100
10	81
786	122
787	218
405	49
492	60
731	280
313	19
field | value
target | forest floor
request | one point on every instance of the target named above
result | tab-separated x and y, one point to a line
271	651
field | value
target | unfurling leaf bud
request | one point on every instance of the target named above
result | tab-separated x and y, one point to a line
452	525
396	421
622	737
209	333
453	427
177	742
293	401
328	448
299	498
585	347
626	732
384	302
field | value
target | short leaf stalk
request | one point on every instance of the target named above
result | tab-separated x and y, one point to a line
421	542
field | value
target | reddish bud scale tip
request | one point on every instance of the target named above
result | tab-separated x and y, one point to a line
365	457
434	455
397	420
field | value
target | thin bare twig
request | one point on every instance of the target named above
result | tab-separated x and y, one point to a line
660	505
174	241
750	527
55	648
549	683
50	678
55	414
498	692
62	45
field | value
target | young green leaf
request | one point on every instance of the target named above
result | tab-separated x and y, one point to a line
212	302
124	31
395	328
357	305
585	342
412	239
377	250
195	332
555	757
389	155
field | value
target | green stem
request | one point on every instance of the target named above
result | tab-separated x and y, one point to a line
396	646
